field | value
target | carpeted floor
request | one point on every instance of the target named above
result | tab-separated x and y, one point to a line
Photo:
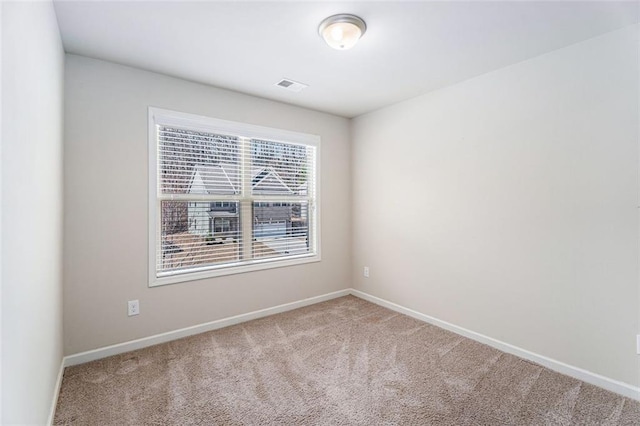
341	362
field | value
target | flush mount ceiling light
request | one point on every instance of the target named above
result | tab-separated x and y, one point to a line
342	31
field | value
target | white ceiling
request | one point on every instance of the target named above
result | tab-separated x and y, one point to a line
409	48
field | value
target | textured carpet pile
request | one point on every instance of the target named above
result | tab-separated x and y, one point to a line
341	362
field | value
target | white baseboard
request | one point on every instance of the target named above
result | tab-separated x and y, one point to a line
56	392
618	387
132	345
621	388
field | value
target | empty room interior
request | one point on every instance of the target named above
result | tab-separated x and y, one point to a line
344	213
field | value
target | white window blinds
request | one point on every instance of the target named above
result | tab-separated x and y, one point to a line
182	152
226	201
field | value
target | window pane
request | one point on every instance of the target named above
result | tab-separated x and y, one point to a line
225	198
280	230
197	163
198	234
280	168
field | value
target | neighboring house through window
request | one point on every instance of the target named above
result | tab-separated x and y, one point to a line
228	197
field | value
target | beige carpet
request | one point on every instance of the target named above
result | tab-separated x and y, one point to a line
342	362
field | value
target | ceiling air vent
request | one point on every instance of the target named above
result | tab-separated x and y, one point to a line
291	85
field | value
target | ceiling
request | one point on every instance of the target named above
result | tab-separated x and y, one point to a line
410	48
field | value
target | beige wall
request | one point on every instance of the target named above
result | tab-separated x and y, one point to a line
32	78
105	227
508	204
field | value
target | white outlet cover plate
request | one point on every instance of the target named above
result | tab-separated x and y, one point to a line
133	307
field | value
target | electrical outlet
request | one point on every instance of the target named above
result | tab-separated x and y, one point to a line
134	308
366	272
638	344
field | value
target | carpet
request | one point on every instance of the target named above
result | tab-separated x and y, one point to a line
341	362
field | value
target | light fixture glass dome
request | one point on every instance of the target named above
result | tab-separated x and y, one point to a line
342	31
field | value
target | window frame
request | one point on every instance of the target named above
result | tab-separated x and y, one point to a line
159	116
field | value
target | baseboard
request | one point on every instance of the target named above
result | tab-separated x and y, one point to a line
621	388
618	387
56	392
81	358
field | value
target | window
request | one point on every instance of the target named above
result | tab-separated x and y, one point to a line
228	197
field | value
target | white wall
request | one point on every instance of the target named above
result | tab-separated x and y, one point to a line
32	90
106	177
508	204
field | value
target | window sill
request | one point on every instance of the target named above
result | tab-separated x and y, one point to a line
229	269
